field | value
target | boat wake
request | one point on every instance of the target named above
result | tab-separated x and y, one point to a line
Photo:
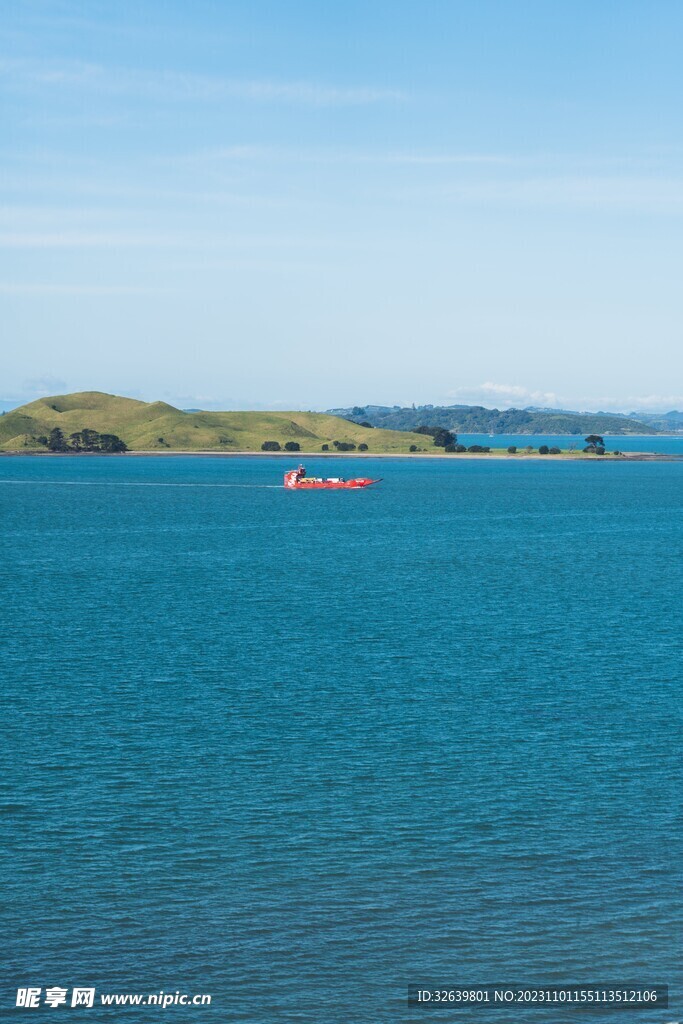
135	483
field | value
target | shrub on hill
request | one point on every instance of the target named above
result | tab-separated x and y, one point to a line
362	447
512	450
292	446
56	441
325	448
543	449
344	446
270	446
112	443
413	448
442	437
85	440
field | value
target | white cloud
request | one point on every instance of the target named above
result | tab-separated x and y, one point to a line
172	85
38	288
514	395
44	385
505	394
631	403
76	240
590	191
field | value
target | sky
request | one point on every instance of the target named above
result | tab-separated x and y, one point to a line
250	204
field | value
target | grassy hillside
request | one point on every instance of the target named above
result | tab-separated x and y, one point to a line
156	426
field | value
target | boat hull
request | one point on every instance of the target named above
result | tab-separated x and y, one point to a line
330	485
296	480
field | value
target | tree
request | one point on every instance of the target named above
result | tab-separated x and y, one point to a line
56	442
444	437
441	436
111	443
292	446
85	440
543	449
555	451
366	424
450	448
413	448
529	448
460	448
512	450
362	447
600	449
270	446
358	411
477	448
325	448
593	440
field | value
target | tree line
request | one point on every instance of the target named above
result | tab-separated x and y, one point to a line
85	440
294	446
447	440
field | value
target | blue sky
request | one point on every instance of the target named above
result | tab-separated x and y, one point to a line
304	205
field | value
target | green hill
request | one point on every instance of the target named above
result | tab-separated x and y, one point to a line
156	426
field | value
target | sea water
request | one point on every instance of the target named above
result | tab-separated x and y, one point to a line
301	750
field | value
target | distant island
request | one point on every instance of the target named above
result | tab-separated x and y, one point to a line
98	423
82	420
475	419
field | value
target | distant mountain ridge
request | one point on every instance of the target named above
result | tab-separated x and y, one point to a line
665	422
476	419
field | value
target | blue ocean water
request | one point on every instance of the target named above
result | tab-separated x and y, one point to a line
300	750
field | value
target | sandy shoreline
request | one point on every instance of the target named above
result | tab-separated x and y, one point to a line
297	456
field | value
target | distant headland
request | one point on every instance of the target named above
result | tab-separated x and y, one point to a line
476	419
94	422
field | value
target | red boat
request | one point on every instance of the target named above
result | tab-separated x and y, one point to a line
296	479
